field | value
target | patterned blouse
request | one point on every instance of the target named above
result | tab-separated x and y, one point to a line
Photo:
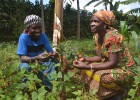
113	42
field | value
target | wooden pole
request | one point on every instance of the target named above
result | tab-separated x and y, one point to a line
42	16
58	37
78	20
58	23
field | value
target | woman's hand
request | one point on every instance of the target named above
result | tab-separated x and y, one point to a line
42	56
79	64
54	55
46	56
81	58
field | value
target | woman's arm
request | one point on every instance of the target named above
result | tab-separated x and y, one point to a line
40	57
112	63
27	59
30	59
97	58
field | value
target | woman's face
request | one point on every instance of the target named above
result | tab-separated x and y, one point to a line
97	25
35	30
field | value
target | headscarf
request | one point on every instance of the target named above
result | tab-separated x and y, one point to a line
106	16
32	19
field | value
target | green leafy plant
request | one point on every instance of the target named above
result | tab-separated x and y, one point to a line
65	85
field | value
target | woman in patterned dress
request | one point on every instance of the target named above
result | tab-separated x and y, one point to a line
111	70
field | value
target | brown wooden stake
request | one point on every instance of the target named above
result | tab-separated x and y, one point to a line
58	36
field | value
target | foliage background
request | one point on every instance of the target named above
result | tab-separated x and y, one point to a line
13	13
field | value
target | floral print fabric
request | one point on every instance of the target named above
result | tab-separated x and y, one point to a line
113	42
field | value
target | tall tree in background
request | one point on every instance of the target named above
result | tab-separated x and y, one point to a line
78	17
78	20
114	7
135	10
105	2
42	15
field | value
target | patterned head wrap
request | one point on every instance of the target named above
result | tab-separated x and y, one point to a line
32	19
106	16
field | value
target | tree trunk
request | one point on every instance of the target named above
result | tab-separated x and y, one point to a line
78	20
57	38
58	22
42	16
105	6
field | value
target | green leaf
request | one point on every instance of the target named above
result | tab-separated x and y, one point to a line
135	37
124	30
137	79
132	92
78	98
32	66
66	78
42	90
19	96
2	96
78	93
57	65
138	98
34	95
138	20
30	85
54	75
52	1
1	91
59	75
138	68
71	74
41	96
137	60
22	86
122	27
42	93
